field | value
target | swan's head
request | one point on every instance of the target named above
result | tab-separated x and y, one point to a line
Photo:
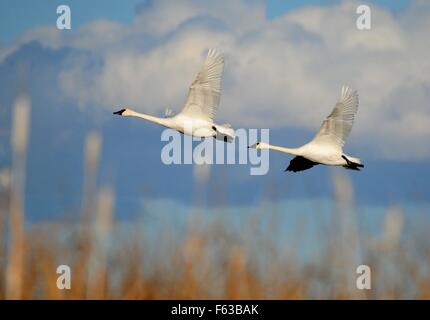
259	145
124	112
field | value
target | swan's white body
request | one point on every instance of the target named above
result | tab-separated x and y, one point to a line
327	145
196	117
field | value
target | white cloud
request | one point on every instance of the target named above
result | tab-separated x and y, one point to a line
284	72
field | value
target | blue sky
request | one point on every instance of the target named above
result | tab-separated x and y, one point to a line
18	16
77	78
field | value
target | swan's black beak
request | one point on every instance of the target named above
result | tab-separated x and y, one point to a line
120	112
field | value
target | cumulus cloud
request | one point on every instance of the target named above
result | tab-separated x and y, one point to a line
282	72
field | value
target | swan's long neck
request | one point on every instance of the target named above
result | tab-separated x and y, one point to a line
293	151
157	120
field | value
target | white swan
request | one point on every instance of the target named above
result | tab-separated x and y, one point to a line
196	117
326	146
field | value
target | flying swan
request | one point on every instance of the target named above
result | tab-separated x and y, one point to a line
196	117
326	146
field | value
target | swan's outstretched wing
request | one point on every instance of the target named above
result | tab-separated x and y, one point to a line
337	126
204	94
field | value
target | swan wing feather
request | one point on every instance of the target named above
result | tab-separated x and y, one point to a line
337	126
204	92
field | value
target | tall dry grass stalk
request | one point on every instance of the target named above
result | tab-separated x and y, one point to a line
97	264
92	150
201	176
4	210
93	145
393	225
19	140
346	249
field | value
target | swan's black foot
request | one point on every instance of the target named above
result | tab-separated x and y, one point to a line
352	165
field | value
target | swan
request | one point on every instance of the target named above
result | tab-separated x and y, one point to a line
196	117
326	146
